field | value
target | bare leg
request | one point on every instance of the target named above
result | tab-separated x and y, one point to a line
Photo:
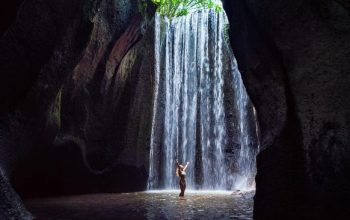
182	187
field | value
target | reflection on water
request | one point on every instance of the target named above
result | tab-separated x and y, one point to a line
199	205
146	205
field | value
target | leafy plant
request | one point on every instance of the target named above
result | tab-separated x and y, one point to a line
175	8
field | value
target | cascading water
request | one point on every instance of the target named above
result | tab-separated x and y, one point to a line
201	113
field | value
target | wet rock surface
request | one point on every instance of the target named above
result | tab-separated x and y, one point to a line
145	205
36	54
294	58
68	124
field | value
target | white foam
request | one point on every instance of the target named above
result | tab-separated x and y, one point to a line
217	192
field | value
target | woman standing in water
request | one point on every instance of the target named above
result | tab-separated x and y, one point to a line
180	172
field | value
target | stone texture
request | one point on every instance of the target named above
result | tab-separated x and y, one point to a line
36	54
106	105
304	172
97	125
11	206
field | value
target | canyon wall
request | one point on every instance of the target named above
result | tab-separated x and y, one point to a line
301	47
76	89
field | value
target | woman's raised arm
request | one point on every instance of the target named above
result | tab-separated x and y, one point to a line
186	166
177	164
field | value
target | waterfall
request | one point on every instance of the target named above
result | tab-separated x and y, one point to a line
202	112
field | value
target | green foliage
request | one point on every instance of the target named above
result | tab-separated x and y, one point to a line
175	8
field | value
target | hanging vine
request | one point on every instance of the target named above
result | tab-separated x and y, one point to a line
176	8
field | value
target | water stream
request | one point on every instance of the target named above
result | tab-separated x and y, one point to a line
202	112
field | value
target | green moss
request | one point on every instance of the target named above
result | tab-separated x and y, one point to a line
175	8
55	113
